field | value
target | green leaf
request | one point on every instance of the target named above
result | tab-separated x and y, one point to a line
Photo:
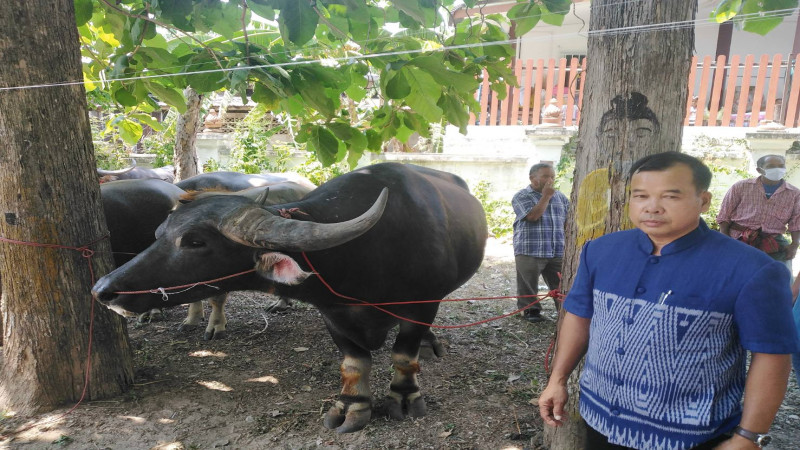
129	131
83	11
265	96
397	85
263	8
325	144
374	140
726	10
168	95
434	65
148	120
551	17
425	92
124	97
455	111
298	21
526	16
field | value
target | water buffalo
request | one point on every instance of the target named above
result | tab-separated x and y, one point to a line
133	172
428	240
235	181
281	192
134	209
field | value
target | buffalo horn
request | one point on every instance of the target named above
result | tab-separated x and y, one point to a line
256	227
104	173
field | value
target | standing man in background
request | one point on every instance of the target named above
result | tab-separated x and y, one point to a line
758	210
541	212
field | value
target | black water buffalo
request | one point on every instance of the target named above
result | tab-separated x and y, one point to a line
281	192
133	172
428	240
134	209
235	181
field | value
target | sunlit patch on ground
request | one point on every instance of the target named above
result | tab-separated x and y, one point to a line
265	379
208	354
215	385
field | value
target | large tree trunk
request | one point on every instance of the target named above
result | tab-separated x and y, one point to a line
49	195
185	136
636	80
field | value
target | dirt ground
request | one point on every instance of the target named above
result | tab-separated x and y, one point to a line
268	384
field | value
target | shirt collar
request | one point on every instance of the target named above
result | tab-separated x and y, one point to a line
682	243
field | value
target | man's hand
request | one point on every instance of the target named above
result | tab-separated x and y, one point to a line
551	404
737	443
548	190
791	251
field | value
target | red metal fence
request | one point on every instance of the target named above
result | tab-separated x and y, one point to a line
771	86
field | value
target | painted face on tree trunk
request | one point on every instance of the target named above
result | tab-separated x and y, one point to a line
629	123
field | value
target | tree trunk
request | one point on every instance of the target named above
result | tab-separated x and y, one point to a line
185	136
49	195
634	105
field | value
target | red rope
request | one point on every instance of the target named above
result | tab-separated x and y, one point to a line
554	293
190	285
86	253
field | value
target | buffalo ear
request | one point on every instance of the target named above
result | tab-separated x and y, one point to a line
280	268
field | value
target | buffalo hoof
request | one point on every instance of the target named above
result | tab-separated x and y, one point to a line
417	408
398	411
215	335
333	418
346	423
150	316
394	409
279	306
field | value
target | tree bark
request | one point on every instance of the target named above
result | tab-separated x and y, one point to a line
185	136
634	105
49	195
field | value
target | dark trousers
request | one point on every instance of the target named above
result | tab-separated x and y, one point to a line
597	441
528	270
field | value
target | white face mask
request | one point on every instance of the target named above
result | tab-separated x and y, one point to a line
774	174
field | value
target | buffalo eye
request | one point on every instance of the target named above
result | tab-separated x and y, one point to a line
191	242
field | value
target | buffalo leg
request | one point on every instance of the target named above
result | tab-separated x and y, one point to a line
404	396
217	321
353	409
193	317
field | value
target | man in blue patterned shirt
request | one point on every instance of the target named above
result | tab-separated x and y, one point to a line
538	237
666	314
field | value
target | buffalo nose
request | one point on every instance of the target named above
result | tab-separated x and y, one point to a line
102	291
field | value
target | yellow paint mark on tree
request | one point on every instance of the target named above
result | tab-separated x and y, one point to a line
594	200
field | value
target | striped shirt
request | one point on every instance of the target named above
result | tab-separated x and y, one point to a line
543	238
746	203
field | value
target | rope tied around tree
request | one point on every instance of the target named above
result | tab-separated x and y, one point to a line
86	253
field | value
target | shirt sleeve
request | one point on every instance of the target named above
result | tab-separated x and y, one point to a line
522	205
794	221
580	298
729	204
763	312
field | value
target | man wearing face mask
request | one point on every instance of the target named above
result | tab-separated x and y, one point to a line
759	210
541	212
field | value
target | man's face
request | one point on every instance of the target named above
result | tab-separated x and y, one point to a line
666	204
772	162
540	178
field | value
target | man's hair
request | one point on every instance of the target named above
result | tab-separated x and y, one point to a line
535	168
701	175
763	160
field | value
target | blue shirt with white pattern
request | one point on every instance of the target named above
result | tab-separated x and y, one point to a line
543	238
669	334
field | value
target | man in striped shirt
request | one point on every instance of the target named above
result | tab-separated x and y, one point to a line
759	210
541	212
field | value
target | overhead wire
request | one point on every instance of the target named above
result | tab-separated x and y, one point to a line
695	23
